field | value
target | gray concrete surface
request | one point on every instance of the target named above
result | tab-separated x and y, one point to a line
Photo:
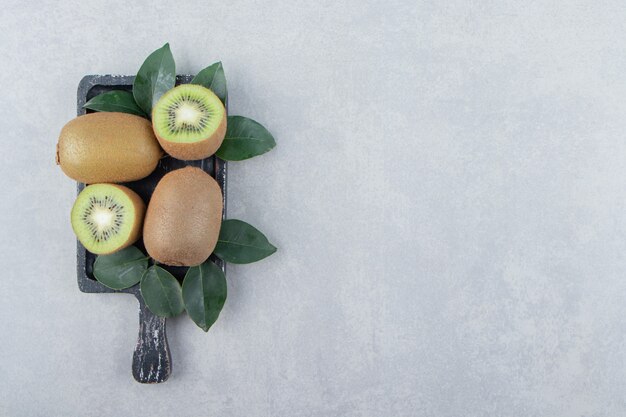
447	194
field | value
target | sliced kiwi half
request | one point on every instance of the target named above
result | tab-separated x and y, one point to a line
107	217
189	121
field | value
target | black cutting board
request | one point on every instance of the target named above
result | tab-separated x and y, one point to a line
152	361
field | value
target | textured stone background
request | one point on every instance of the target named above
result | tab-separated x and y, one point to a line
447	194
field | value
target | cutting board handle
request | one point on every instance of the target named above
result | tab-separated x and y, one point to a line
151	360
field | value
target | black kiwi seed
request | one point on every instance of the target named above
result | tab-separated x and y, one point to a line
112	206
200	105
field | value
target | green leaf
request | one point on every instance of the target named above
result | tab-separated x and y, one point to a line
240	243
213	78
116	101
244	139
154	78
122	269
161	292
204	293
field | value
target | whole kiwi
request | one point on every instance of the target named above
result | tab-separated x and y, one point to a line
183	218
108	147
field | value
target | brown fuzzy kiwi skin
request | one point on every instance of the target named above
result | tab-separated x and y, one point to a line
183	218
140	211
108	147
194	150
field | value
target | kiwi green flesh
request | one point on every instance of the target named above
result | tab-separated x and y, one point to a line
187	113
102	218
